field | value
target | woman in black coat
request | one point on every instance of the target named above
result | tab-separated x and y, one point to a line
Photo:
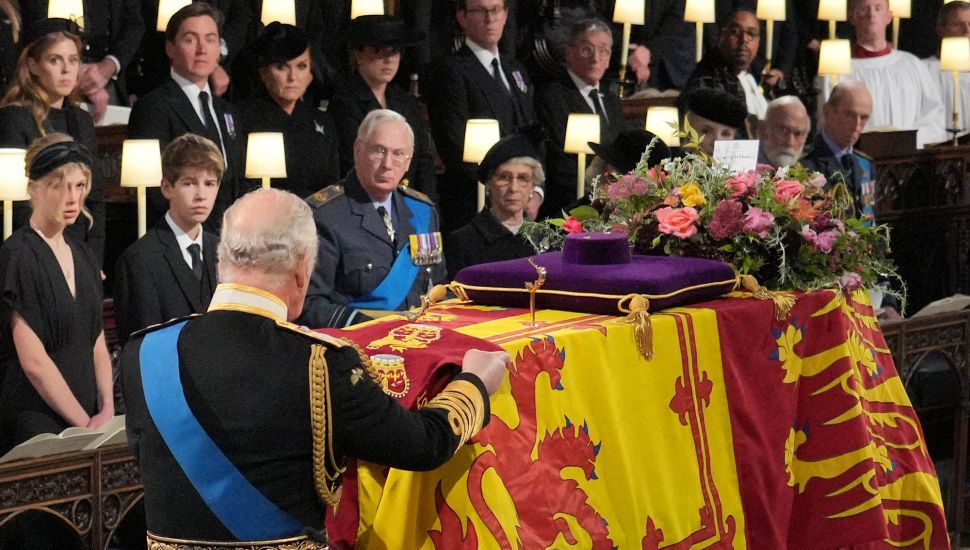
309	135
376	42
43	98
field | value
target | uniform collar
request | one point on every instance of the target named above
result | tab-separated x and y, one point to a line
236	297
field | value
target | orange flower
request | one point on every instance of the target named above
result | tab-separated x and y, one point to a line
805	211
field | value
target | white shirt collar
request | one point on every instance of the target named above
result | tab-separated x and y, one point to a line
484	56
236	297
183	239
387	203
189	88
584	89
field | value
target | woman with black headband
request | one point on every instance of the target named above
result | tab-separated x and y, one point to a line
55	364
43	99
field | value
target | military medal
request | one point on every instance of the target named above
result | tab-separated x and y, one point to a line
520	82
426	248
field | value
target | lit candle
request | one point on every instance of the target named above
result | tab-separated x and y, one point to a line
832	11
770	11
901	9
265	156
480	135
141	167
581	129
13	184
699	12
628	12
835	58
955	57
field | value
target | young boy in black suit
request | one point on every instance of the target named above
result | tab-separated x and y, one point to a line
171	271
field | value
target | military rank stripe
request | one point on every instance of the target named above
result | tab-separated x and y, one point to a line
466	409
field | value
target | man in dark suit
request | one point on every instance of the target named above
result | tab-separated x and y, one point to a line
185	103
845	116
380	242
171	271
112	31
475	82
242	421
587	57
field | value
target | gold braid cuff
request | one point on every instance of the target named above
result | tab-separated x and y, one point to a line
326	469
156	542
465	406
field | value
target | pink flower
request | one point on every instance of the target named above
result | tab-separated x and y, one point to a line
787	190
572	225
727	221
679	222
628	186
826	240
742	184
758	221
657	174
809	234
620	228
850	281
817	180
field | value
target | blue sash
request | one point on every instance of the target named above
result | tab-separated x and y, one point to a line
394	289
241	508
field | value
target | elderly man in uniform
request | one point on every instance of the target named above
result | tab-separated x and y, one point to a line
783	132
380	245
242	422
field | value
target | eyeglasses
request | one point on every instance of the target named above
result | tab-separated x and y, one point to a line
492	13
504	179
734	31
378	152
589	51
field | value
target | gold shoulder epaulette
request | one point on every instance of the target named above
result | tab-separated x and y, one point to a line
415	194
318	336
325	195
153	328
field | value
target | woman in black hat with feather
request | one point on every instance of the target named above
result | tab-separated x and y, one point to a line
375	46
309	135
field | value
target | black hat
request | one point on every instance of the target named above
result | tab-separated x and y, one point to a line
718	106
624	152
279	43
378	31
46	26
505	149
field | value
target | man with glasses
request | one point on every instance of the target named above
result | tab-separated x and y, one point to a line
380	246
474	82
587	56
728	68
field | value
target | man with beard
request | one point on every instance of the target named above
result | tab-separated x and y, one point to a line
783	132
728	67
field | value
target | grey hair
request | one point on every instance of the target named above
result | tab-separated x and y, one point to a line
777	105
272	242
590	24
538	174
379	116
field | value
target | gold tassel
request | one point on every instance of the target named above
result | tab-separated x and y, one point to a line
783	303
435	295
639	315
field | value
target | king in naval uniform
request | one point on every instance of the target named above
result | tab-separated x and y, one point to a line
242	421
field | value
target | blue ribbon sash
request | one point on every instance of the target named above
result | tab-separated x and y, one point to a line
241	508
394	289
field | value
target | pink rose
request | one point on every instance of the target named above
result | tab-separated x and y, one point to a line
787	190
826	240
850	281
742	184
809	235
758	221
679	222
657	174
817	180
572	225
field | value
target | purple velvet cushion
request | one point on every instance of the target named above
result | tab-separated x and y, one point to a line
667	282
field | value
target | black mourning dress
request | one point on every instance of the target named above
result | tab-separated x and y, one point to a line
33	285
18	130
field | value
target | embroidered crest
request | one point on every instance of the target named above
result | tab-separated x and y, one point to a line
520	81
394	377
409	336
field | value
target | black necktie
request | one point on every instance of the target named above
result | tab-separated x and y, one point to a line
846	161
497	74
195	251
388	223
212	129
594	95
